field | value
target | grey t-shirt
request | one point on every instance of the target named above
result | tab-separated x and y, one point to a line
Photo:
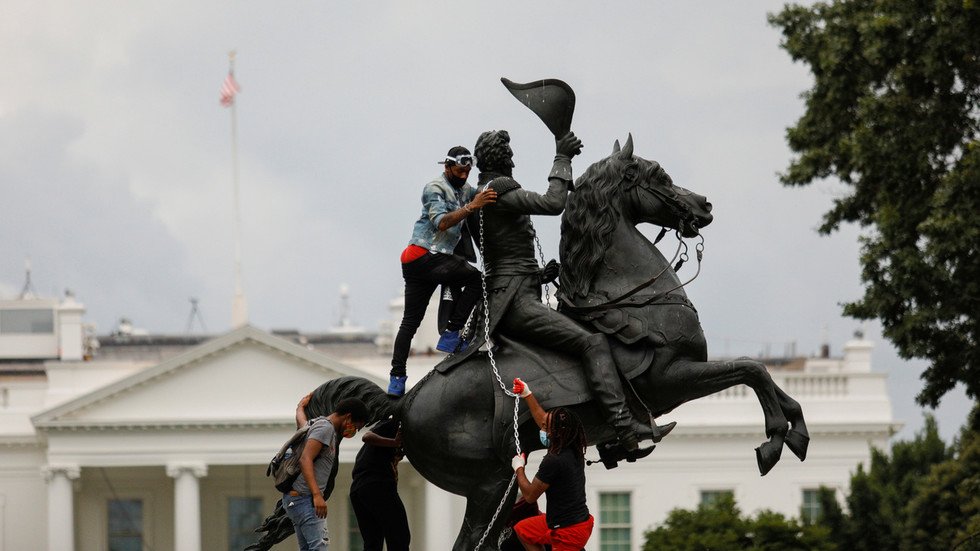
322	431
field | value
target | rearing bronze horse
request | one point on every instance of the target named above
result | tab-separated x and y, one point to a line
457	424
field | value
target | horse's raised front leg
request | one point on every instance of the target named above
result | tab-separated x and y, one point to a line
798	438
683	381
482	502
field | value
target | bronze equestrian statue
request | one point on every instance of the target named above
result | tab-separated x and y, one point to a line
457	424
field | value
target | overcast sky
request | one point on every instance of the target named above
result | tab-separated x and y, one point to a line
115	156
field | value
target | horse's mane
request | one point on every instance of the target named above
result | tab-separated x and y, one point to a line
591	215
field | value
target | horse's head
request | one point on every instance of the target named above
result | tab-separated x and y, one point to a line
621	186
649	194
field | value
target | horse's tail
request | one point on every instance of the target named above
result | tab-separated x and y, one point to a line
329	394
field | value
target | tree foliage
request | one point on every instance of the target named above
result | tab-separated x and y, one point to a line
879	497
894	113
721	527
922	495
945	513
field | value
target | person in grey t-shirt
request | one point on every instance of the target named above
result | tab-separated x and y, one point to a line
306	504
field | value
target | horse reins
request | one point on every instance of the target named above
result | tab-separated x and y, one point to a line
571	308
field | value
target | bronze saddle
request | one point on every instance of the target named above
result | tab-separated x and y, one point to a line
556	378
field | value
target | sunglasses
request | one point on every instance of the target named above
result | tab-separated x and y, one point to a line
464	160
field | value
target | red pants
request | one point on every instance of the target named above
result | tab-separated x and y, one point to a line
566	538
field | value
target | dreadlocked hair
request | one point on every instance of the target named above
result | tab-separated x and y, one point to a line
565	430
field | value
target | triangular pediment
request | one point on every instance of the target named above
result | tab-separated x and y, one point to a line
246	377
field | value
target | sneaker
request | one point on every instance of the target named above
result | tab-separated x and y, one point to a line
450	342
397	385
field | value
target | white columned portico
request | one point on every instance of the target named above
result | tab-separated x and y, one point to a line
61	506
187	504
443	517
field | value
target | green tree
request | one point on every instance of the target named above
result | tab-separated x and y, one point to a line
879	497
897	503
771	531
894	113
717	526
721	527
832	518
945	513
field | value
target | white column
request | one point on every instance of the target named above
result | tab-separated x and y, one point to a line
443	517
61	507
187	504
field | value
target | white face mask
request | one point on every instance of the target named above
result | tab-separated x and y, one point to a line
543	436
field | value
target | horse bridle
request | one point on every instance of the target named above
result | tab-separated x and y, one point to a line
686	216
669	196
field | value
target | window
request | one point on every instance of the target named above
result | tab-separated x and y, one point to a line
244	516
710	498
27	321
125	525
614	521
810	510
353	530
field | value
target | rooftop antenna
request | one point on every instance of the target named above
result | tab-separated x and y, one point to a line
344	306
28	292
239	306
195	314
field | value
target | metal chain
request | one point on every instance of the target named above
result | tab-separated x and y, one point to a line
547	288
486	336
496	513
496	373
504	534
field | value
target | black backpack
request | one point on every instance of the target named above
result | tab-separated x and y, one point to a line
284	467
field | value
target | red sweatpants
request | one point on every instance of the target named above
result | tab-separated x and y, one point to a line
567	538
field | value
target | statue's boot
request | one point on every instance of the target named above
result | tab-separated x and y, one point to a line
604	378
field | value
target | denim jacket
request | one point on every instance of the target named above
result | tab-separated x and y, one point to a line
439	198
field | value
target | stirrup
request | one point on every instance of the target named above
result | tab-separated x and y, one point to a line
629	440
612	452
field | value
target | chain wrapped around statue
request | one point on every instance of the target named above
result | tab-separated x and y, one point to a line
624	347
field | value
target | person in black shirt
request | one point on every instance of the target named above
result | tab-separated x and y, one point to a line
374	491
567	524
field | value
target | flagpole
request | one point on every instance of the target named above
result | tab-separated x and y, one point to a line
239	306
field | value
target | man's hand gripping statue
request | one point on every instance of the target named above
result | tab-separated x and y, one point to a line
514	278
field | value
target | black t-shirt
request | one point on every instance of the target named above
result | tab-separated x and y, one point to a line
565	475
376	463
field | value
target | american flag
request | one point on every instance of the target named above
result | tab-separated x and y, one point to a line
228	90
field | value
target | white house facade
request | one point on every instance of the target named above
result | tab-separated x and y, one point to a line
161	443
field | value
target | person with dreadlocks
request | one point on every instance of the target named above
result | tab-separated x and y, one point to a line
567	524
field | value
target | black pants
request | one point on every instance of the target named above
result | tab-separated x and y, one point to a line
381	517
422	276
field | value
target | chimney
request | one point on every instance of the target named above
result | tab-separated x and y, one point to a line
70	335
857	354
825	339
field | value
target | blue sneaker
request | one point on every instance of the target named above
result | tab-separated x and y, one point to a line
397	385
450	342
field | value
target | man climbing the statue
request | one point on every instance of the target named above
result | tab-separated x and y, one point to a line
513	278
429	259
